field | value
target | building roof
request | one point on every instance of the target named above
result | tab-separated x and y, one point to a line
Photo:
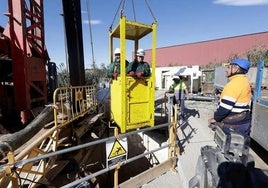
206	52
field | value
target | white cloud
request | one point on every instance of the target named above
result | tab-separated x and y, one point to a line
241	2
93	22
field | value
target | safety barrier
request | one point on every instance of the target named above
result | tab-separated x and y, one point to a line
73	102
170	163
70	103
40	156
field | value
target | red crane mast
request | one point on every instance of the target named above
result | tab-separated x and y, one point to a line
29	56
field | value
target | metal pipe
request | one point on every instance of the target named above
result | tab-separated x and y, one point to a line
14	141
112	167
74	148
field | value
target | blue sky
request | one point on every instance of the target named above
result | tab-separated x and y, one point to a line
179	22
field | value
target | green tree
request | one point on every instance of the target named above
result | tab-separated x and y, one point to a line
258	53
254	55
96	75
63	76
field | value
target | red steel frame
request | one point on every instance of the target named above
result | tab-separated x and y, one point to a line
28	53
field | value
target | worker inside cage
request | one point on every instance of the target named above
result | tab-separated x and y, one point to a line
114	68
139	68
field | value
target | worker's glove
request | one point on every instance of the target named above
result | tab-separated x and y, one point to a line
131	73
115	75
139	74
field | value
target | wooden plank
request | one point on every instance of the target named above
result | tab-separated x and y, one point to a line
149	174
86	124
56	169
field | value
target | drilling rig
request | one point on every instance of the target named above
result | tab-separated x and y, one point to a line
24	60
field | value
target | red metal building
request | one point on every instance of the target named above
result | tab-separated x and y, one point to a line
205	52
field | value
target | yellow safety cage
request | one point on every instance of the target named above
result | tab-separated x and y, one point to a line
132	100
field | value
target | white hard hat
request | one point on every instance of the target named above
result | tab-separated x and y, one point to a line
117	51
175	77
140	52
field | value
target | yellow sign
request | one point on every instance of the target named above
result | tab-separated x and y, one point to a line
117	150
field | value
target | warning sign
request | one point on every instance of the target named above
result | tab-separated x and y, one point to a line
116	151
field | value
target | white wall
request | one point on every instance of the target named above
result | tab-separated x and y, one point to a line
164	77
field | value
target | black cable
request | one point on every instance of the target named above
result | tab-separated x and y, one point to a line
150	11
123	8
90	32
110	29
134	13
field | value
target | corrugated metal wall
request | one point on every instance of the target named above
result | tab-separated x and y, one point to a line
203	53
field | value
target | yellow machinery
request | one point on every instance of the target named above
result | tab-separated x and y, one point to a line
132	99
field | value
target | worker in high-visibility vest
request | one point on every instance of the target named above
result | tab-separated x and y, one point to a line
180	93
233	112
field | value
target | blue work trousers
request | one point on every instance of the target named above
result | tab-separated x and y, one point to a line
242	128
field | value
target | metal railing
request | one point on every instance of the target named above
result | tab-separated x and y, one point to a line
69	104
73	102
41	155
172	151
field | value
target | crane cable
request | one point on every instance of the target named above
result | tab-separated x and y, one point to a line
133	8
122	6
152	14
66	53
90	33
121	2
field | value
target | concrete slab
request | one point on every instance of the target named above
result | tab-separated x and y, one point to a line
193	133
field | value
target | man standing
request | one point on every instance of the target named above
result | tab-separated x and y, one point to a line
114	68
235	100
139	67
180	90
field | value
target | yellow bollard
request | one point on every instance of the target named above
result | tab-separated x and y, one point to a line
116	170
